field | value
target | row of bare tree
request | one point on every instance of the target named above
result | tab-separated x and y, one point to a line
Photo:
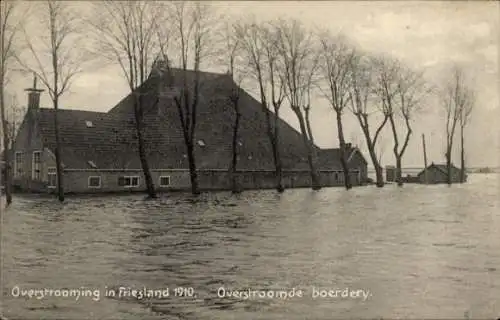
288	62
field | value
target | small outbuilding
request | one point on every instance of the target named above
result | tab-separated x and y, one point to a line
438	173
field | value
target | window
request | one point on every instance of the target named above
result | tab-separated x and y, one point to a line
339	176
94	182
164	181
19	164
51	177
36	165
128	181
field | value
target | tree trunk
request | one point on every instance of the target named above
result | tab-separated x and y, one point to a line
343	160
277	164
395	150
378	169
139	125
371	150
59	169
448	165
399	169
308	124
187	125
274	140
462	155
277	155
234	182
193	174
315	183
7	178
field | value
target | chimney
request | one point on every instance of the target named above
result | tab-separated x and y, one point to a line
160	67
33	97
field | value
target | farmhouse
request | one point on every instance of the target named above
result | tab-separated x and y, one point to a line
99	149
437	173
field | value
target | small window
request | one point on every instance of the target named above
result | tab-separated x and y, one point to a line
201	143
51	177
94	182
36	165
134	182
128	181
89	124
164	181
19	164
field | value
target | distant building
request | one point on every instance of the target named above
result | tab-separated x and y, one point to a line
437	173
99	150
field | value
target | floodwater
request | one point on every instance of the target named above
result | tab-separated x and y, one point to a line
411	252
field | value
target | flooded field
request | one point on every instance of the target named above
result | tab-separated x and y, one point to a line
411	252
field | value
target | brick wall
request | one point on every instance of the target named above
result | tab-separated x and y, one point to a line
78	181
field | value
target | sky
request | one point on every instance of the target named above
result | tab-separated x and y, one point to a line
426	35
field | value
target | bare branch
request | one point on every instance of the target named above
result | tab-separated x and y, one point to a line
61	60
337	57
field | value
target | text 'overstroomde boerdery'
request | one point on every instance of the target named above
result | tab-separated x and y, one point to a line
315	293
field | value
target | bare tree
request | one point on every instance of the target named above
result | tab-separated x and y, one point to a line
56	61
259	51
230	56
8	34
400	91
457	101
361	97
336	59
310	82
193	23
135	35
297	54
465	114
14	115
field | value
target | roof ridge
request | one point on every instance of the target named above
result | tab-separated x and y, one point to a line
73	110
200	71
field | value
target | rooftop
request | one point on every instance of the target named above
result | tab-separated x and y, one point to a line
109	140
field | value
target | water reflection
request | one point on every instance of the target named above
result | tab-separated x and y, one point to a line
431	246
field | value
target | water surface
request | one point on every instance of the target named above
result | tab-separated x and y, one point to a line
420	252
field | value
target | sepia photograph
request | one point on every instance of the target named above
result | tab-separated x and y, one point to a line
218	160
